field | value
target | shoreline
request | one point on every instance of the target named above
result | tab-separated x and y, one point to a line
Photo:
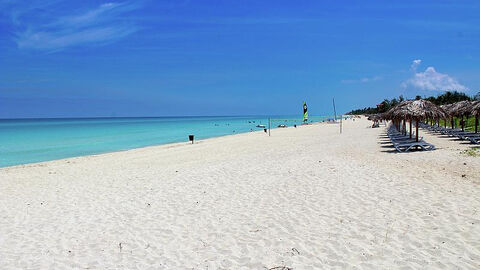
171	144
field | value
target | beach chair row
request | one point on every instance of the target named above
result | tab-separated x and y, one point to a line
462	135
403	143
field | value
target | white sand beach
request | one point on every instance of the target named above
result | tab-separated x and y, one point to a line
304	198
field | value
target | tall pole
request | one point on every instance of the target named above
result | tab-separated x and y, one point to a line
334	110
269	127
341	118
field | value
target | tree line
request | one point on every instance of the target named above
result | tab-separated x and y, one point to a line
445	98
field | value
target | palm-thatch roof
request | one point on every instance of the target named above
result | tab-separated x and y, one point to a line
475	108
416	109
394	112
383	116
399	110
446	108
377	117
461	108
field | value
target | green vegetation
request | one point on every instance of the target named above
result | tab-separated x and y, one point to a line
469	123
474	152
445	98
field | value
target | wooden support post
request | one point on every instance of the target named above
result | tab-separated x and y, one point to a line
476	124
410	128
416	130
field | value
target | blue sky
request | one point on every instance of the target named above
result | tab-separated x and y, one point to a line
153	58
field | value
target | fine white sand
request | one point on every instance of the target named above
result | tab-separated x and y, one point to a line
304	198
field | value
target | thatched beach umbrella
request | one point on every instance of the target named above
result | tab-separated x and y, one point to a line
446	109
390	116
387	115
383	116
461	109
397	114
475	110
375	118
418	110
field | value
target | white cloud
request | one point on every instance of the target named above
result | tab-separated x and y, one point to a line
363	80
415	64
431	80
92	27
53	41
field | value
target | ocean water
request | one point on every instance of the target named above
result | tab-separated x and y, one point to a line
25	141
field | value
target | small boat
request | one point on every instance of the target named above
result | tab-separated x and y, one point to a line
305	112
260	126
282	126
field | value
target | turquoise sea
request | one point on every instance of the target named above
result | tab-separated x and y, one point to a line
34	140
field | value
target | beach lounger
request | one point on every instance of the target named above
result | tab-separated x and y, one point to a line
397	136
474	139
407	146
433	128
442	130
403	143
464	135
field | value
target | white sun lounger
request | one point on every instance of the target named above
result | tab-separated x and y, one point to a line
407	146
474	139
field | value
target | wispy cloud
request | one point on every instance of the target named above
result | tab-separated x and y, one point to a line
431	80
363	80
95	26
54	40
415	64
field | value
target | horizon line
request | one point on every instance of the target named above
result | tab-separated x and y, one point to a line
179	116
